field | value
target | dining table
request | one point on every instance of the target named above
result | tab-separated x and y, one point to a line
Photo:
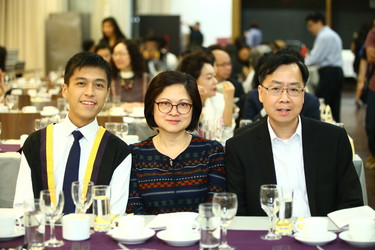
244	234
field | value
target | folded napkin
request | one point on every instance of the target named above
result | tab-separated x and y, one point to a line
342	217
161	220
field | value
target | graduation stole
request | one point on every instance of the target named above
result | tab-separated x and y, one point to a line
50	161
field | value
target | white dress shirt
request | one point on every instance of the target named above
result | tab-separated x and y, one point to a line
62	142
289	168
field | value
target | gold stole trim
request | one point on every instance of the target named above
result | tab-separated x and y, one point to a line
90	163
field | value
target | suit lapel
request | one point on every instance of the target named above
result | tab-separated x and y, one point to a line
310	147
264	151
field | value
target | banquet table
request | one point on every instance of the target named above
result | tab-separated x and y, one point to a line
14	124
244	233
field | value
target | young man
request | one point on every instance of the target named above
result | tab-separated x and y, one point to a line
312	158
48	155
326	54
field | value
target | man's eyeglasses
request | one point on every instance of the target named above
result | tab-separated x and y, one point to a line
165	107
276	91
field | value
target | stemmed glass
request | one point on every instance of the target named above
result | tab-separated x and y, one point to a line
82	195
52	204
270	195
228	207
11	101
121	129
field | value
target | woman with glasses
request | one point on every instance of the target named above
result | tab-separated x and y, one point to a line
129	75
174	170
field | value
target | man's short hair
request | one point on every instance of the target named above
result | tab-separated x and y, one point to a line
86	59
272	62
168	78
316	17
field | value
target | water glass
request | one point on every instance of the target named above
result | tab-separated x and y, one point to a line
101	208
209	224
111	127
284	223
122	129
34	224
228	209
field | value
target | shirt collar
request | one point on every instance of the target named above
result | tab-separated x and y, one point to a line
273	135
89	131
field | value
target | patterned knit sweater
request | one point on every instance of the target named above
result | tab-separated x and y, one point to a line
159	184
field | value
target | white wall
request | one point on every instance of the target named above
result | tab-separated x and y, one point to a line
215	17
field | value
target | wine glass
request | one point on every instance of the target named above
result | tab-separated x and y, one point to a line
121	129
228	209
82	195
11	101
270	195
52	204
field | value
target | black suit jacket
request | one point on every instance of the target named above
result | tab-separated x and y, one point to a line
331	180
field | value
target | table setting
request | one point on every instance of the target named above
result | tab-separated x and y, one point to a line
40	223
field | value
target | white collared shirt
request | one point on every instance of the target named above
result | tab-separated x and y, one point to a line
61	148
289	168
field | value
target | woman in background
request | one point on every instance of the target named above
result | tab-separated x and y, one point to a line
111	32
3	87
217	108
129	75
174	170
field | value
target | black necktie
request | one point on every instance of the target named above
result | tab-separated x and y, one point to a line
71	172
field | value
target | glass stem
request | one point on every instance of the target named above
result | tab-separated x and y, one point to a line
224	241
52	230
271	230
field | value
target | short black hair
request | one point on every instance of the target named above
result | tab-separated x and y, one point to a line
193	63
86	59
316	17
273	61
168	78
87	45
102	45
3	56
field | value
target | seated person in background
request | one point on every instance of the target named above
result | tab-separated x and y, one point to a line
3	87
157	58
86	87
312	158
88	45
253	108
174	171
217	107
103	50
130	79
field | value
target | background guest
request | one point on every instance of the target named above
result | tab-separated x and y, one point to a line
104	51
217	107
128	71
111	32
174	170
3	87
326	53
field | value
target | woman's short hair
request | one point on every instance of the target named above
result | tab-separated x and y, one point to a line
193	63
168	78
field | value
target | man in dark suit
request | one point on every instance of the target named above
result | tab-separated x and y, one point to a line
312	158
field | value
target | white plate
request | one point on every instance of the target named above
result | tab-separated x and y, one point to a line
346	237
17	233
192	239
116	234
330	236
160	221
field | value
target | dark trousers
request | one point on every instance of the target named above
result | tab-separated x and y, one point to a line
329	88
370	121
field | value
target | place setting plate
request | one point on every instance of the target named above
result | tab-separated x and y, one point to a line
346	237
116	234
330	236
18	232
188	241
